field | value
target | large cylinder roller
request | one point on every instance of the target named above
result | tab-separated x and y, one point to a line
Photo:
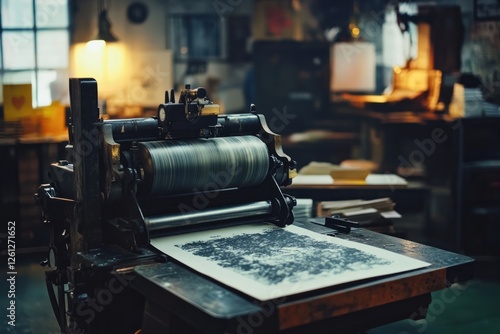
194	165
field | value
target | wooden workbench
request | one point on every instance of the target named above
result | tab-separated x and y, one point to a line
191	303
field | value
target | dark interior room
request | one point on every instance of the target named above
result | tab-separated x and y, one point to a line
249	166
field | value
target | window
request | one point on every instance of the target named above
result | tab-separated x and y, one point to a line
34	45
197	36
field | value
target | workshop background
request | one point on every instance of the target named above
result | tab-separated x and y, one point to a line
309	66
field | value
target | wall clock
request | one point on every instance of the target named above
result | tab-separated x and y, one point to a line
137	12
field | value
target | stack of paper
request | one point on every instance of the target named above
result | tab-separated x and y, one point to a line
491	109
10	130
303	210
335	171
374	214
466	102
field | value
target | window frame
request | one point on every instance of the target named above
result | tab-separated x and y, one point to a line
36	69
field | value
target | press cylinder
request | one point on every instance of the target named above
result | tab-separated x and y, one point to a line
202	164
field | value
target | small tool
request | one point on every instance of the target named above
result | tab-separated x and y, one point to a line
335	222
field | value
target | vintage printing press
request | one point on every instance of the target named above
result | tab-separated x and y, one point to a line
126	181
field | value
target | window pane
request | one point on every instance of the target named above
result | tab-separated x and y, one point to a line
17	13
18	50
18	77
197	36
51	13
52	49
45	79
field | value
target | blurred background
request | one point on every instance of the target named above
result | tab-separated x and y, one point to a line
402	88
361	81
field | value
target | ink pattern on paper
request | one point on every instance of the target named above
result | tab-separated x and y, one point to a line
276	256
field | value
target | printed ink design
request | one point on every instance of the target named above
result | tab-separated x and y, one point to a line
277	255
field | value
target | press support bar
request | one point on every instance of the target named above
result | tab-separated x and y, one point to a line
231	212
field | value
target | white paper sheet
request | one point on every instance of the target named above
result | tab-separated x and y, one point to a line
267	262
312	180
385	179
372	179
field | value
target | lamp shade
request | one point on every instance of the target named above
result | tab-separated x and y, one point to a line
104	24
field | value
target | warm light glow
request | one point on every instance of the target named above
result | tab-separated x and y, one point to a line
105	62
355	32
397	69
124	76
96	44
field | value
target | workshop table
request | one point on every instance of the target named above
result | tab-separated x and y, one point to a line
178	298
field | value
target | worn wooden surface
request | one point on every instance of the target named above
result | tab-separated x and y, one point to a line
446	268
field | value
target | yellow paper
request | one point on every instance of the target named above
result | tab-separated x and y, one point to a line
53	119
17	101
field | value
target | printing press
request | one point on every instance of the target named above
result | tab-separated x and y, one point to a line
190	168
126	181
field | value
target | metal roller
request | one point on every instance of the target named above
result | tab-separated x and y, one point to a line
194	165
209	215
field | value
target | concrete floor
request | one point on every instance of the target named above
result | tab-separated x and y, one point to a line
33	310
471	308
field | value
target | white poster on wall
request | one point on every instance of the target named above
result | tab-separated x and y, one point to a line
353	67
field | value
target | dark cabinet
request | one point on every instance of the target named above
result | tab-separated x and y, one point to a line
24	165
292	81
476	185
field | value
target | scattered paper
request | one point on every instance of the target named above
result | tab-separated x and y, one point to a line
362	211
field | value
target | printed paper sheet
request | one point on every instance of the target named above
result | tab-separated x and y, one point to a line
267	262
